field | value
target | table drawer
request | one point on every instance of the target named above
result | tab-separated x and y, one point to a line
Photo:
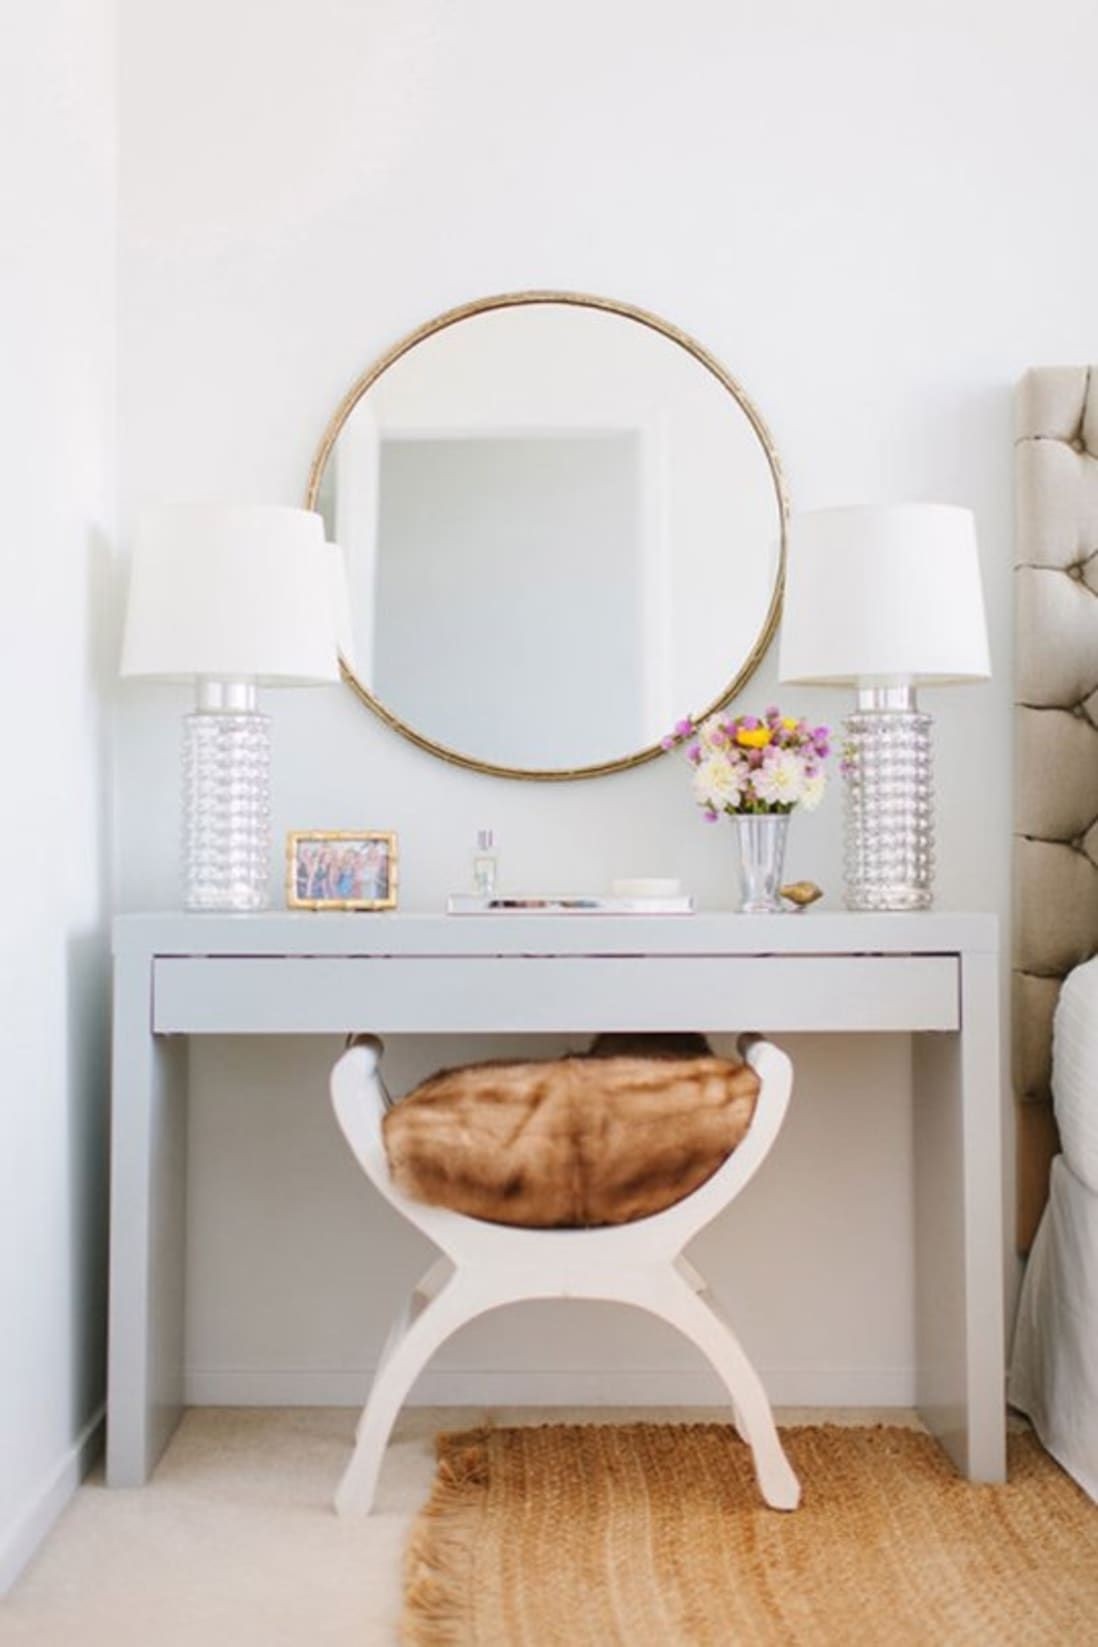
486	994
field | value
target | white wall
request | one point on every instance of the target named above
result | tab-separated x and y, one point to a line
56	433
877	216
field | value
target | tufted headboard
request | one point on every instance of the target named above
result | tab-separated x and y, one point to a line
1056	738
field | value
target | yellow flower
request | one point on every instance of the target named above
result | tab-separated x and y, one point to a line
753	737
789	723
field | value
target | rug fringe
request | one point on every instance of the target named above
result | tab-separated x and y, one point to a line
438	1563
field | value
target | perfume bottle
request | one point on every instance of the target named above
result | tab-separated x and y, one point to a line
485	865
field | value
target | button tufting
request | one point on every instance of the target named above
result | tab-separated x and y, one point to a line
1078	444
1076	571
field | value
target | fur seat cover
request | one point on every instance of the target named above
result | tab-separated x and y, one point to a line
599	1138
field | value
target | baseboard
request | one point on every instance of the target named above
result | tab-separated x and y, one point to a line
571	1387
20	1540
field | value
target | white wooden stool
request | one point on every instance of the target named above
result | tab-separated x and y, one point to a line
486	1265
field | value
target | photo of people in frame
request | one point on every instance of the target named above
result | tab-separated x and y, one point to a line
341	870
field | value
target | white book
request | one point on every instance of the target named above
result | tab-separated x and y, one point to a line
472	903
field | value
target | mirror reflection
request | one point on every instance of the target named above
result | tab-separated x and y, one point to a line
563	531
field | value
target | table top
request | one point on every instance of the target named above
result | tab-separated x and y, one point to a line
707	932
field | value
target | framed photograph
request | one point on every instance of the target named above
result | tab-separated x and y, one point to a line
341	869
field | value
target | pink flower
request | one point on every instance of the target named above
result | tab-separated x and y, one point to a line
744	763
682	729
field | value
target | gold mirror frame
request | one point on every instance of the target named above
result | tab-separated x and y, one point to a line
515	300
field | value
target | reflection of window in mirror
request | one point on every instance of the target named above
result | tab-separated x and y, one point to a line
510	573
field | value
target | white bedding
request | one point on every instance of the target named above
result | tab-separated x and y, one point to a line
1075	1071
1054	1367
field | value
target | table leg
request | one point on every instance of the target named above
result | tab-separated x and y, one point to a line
958	1230
148	1214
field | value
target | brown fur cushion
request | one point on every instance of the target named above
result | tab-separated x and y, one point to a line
573	1143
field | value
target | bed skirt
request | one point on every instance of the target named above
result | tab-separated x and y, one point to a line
1054	1365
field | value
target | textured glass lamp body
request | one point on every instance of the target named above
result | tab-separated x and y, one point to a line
226	800
889	834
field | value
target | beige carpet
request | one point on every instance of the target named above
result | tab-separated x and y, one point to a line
647	1535
234	1542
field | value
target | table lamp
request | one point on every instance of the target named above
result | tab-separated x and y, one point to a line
881	599
233	599
340	591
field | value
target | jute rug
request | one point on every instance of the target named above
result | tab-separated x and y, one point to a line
652	1535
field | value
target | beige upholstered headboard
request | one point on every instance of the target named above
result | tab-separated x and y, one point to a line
1056	737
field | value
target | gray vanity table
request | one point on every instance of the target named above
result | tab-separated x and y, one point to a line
563	523
934	976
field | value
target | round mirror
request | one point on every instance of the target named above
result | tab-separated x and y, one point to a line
564	529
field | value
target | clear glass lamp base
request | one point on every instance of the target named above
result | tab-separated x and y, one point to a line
889	834
227	803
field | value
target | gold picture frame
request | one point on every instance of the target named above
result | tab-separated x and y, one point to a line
311	887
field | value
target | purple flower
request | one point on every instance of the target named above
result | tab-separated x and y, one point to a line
694	754
709	815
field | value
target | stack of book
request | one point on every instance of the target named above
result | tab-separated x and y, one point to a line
472	903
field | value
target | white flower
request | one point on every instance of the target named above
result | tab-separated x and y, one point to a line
814	791
780	781
717	783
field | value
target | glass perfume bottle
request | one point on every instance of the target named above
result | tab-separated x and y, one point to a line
485	865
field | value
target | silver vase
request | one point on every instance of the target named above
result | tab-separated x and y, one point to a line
760	838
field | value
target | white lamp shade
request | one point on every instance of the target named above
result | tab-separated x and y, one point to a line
341	603
883	594
232	593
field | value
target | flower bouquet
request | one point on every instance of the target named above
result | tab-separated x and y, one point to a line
755	770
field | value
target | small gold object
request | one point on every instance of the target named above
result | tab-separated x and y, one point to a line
801	893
